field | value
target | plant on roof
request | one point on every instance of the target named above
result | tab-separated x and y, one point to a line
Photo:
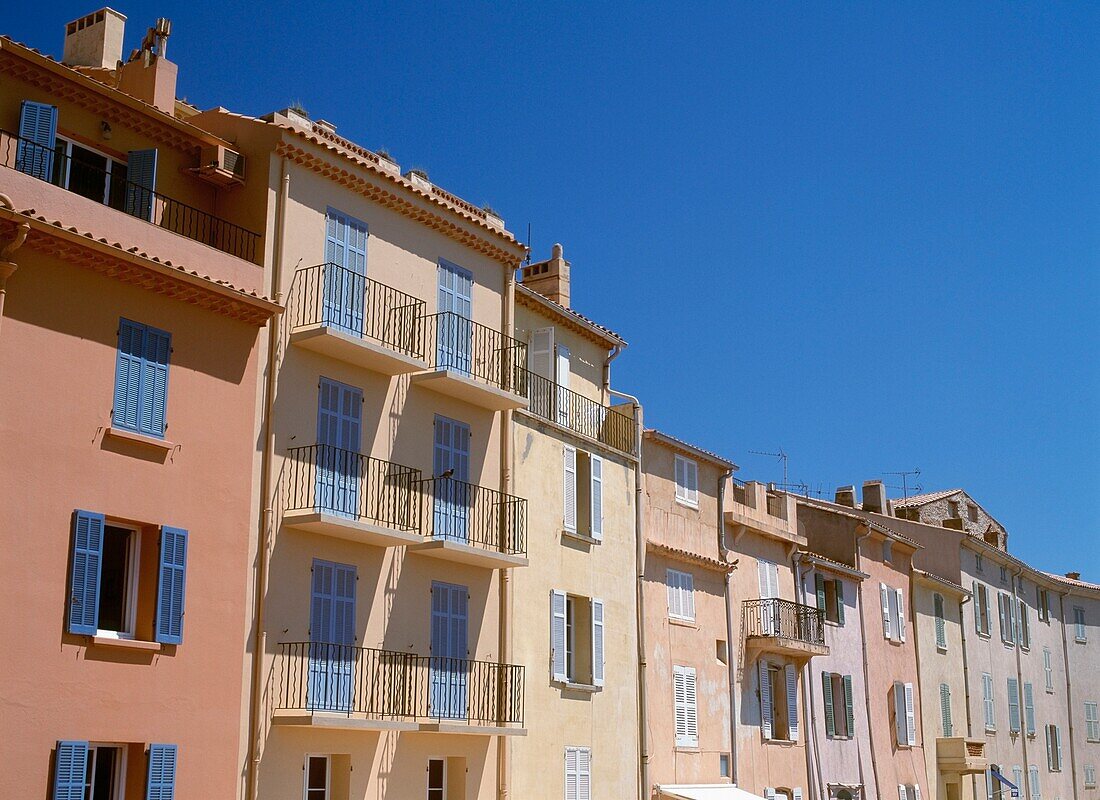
298	108
420	172
385	153
488	209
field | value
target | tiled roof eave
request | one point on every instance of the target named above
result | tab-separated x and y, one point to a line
529	298
686	556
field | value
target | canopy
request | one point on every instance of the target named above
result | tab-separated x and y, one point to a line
705	791
1015	789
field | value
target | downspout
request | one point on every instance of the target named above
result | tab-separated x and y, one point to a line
7	266
866	665
809	700
731	667
506	481
966	687
1069	691
917	686
1019	668
259	646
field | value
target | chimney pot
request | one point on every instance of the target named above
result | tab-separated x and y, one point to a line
549	278
1073	576
95	40
874	497
845	496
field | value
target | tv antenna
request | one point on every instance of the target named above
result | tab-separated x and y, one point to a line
905	487
780	455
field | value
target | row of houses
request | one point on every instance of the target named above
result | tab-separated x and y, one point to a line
315	486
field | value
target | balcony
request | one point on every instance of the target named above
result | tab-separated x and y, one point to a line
473	363
345	315
101	186
784	627
957	755
348	495
470	524
357	688
581	415
764	511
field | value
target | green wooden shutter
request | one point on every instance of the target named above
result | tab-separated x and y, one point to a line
839	601
827	691
849	709
819	584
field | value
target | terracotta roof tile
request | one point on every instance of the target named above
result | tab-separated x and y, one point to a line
921	499
693	558
653	433
1072	581
581	319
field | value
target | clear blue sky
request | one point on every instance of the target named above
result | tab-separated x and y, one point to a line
867	233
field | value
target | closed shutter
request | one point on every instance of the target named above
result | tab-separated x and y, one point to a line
910	715
154	381
161	784
1024	626
827	693
792	700
557	635
675	606
596	468
684	702
343	606
839	601
562	379
977	609
141	183
570	488
584	774
541	352
1029	709
70	769
38	132
945	708
884	596
900	595
765	699
171	584
1057	747
1013	705
597	642
128	371
849	708
86	565
819	586
941	625
1018	777
571	773
1033	781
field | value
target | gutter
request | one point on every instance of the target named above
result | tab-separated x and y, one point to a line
7	266
1019	670
727	590
506	480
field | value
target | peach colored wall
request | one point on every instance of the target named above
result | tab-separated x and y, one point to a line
56	459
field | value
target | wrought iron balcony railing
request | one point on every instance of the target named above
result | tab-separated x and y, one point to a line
784	619
471	349
328	294
580	414
385	684
103	186
461	512
348	484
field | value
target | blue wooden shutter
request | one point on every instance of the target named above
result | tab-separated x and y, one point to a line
343	604
170	589
154	381
161	783
128	370
141	378
321	603
84	583
70	769
38	135
141	182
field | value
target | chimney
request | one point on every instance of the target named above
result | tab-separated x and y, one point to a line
148	75
549	278
845	496
874	497
1073	576
95	40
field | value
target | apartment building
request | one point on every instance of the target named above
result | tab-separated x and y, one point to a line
390	524
574	610
686	627
131	303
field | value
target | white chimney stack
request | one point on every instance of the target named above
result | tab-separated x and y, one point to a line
95	40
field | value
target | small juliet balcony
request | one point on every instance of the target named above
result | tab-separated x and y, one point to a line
471	524
579	414
783	627
958	755
322	685
473	363
348	495
345	315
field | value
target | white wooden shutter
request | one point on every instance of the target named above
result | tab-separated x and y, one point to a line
541	352
792	701
988	610
557	635
672	578
910	716
572	755
597	642
765	700
884	595
596	495
570	488
901	614
691	474
687	594
684	706
562	379
1058	747
977	609
584	773
902	794
916	791
769	793
796	793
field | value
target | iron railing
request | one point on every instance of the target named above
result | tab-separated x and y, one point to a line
111	188
580	414
457	511
469	348
349	484
329	294
386	684
771	617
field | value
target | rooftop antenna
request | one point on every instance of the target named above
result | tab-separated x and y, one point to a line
780	455
527	258
905	487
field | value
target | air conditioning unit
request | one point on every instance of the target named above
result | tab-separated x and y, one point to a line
221	166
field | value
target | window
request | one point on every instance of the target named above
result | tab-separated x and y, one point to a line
945	709
577	639
979	563
972	512
1079	624
1004	574
687	481
905	719
988	706
1029	709
1054	748
830	597
681	595
1092	721
106	772
723	765
1042	604
1007	617
318	778
887	551
1013	705
583	482
89	173
578	773
778	689
941	623
953	509
908	791
893	613
992	785
93	771
839	712
721	651
684	709
141	379
1033	782
1090	776
981	609
1023	627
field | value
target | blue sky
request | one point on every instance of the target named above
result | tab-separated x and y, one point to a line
865	233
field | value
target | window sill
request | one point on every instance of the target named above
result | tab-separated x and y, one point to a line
683	623
140	438
687	748
686	504
125	644
588	688
941	649
580	537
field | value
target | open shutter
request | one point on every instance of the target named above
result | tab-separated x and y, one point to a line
884	595
977	609
849	708
1013	705
792	700
900	728
796	793
910	715
827	692
170	586
819	586
902	794
70	770
916	791
765	699
687	594
941	625
557	635
769	793
84	581
1006	635
1057	747
596	496
161	783
141	182
570	488
839	600
1024	626
541	352
38	137
597	642
987	610
900	595
1029	709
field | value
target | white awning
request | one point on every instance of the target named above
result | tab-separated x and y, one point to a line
705	791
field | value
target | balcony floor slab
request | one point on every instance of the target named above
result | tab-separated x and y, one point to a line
332	720
328	524
450	550
795	648
463	387
470	730
338	344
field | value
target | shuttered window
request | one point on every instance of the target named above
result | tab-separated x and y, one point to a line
540	353
905	714
171	585
1033	782
84	579
893	613
830	597
988	706
941	623
578	773
141	378
37	137
570	488
70	769
687	481
791	680
1054	748
981	609
1013	706
1079	632
141	183
161	784
1090	776
1029	709
1092	721
1007	617
684	707
681	594
839	712
945	709
1048	670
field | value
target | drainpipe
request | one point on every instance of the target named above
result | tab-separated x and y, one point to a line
7	266
506	486
1069	691
966	687
259	646
1019	668
731	667
866	664
917	685
809	702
